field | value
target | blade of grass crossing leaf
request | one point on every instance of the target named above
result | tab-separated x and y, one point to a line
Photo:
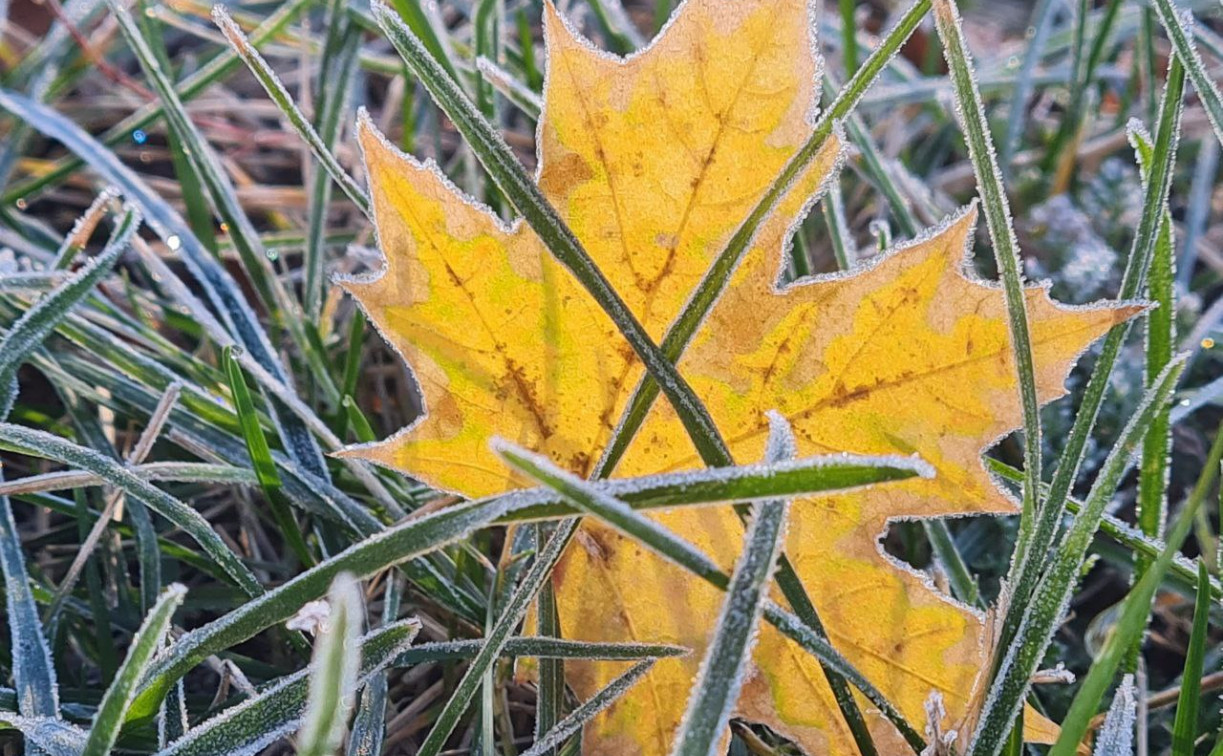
716	689
1044	613
333	671
1130	625
1179	25
1184	729
1026	567
591	500
971	114
547	742
251	726
42	444
718	275
261	458
40	320
527	197
147	641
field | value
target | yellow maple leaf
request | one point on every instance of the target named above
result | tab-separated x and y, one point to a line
653	161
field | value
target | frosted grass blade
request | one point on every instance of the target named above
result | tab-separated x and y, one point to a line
148	639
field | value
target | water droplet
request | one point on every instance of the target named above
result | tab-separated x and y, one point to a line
1208	343
273	254
174	243
22	204
1012	62
139	136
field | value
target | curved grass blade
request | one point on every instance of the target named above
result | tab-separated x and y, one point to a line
148	639
716	688
52	735
46	445
333	671
40	320
1179	25
258	722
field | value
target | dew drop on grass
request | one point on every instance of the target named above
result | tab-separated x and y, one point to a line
273	254
174	243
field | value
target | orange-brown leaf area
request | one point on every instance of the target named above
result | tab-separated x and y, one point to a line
654	161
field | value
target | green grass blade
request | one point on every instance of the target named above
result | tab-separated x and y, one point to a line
572	724
1132	622
1133	540
40	320
119	695
41	444
803	477
333	671
971	114
716	688
47	735
1024	654
543	219
1153	471
1179	25
258	722
261	458
1184	729
32	669
718	275
284	102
